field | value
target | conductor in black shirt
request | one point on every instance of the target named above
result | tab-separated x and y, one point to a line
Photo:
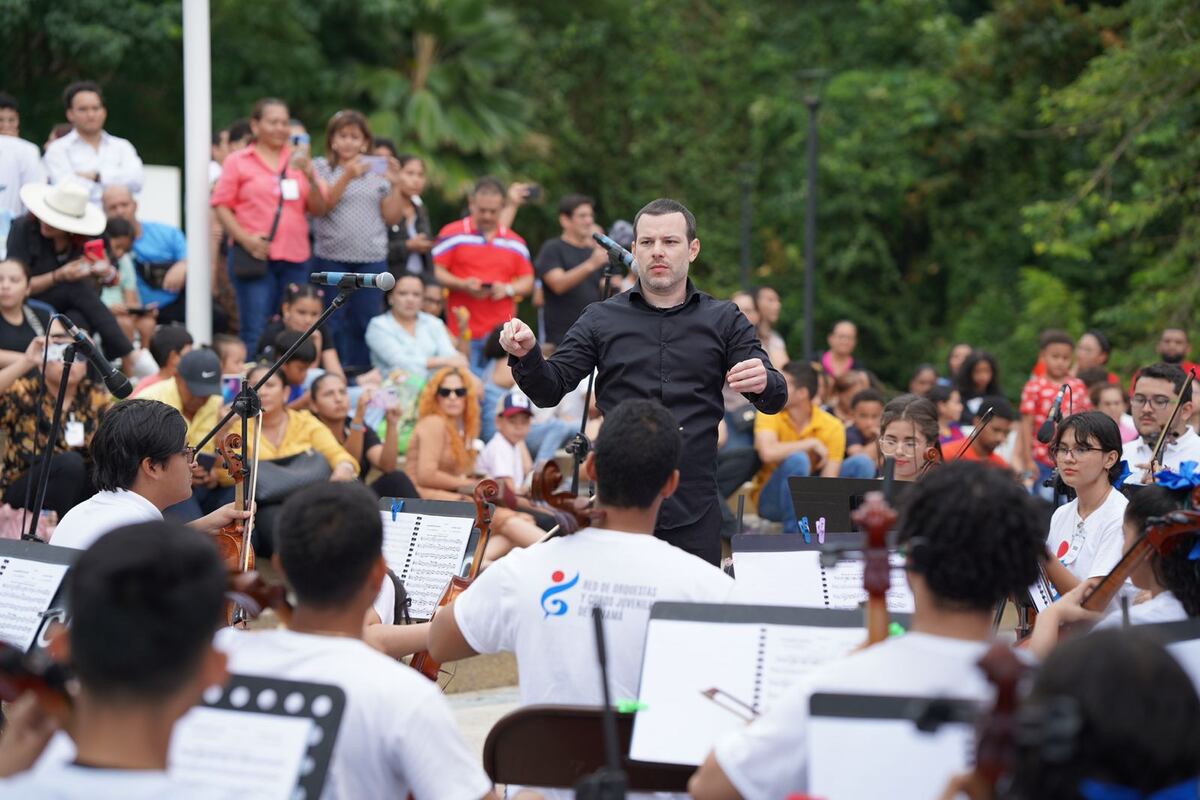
666	341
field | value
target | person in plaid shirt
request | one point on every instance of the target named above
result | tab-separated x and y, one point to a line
1055	350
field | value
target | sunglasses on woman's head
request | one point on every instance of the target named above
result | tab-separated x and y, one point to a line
455	392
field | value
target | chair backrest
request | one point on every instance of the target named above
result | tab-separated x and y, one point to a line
555	746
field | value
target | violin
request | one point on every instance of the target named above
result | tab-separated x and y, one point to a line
932	457
253	595
35	672
486	491
569	512
234	540
875	517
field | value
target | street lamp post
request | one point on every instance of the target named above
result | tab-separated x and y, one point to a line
812	101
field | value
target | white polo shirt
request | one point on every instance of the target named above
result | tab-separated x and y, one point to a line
1185	448
101	513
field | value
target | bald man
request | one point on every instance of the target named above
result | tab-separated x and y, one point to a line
159	255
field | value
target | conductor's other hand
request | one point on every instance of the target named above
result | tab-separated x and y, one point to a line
748	377
517	338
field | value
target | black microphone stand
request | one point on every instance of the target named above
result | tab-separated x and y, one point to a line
580	445
247	404
609	782
43	479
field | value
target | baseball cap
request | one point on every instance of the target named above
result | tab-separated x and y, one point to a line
200	371
514	403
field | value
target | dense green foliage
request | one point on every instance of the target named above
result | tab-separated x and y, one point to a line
986	168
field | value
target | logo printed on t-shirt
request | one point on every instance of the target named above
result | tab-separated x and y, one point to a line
556	606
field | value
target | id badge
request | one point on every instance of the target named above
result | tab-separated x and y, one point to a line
290	189
74	433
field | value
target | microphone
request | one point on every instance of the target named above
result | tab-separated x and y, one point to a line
356	280
615	250
115	380
1046	432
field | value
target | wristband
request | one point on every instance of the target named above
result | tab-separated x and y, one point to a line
357	426
508	289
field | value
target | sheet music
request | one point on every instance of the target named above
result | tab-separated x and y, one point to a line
796	578
425	551
835	757
27	588
253	755
752	664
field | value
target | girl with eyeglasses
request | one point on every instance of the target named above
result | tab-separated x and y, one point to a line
441	457
1086	538
908	432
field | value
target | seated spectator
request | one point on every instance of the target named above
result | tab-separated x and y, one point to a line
769	306
433	300
798	441
839	358
88	154
992	438
84	405
954	360
407	338
505	458
331	404
20	320
232	351
497	380
553	428
845	387
923	379
978	377
119	290
302	304
168	344
862	435
145	602
441	458
950	410
1091	352
49	241
195	392
1110	399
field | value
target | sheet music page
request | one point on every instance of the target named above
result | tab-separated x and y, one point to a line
253	755
897	748
796	578
1187	653
752	665
27	588
425	551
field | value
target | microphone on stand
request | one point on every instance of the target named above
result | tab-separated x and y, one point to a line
114	379
1046	432
357	280
615	250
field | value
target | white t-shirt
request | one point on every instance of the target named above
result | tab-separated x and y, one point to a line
1092	546
503	459
1163	607
1185	448
101	513
767	759
537	603
68	781
397	733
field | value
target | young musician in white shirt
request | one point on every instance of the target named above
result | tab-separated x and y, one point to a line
971	537
397	734
1086	538
537	602
1150	404
145	601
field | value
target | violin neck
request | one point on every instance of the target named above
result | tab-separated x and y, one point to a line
1104	592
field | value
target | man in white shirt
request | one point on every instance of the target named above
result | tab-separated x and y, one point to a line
141	464
1153	392
537	602
972	539
89	154
20	163
397	734
145	602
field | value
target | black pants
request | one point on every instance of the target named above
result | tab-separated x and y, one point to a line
700	538
177	311
394	484
69	484
83	306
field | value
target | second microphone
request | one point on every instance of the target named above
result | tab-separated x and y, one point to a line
355	280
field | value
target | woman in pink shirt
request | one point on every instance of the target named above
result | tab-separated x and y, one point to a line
246	198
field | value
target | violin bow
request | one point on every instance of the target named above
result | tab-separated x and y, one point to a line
1161	444
248	528
984	421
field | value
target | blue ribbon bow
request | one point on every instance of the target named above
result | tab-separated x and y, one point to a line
1188	476
1096	790
1119	481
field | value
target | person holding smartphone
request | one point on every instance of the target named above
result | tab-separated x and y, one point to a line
364	199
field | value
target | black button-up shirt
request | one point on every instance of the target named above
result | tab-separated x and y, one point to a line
678	356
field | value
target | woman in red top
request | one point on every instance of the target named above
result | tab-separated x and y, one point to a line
253	182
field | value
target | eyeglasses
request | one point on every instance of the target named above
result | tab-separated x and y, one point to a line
889	445
189	454
1076	453
1159	401
452	392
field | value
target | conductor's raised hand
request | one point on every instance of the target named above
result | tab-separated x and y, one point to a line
517	338
747	377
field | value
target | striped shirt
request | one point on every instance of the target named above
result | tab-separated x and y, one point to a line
466	253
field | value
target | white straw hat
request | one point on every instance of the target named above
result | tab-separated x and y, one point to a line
64	206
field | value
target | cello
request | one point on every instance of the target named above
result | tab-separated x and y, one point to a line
569	512
486	491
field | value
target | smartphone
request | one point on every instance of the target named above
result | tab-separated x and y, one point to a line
93	250
533	194
54	352
230	386
300	140
486	285
376	165
385	398
206	460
